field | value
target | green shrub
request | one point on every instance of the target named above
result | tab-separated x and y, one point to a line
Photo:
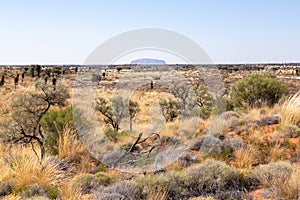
257	90
279	171
282	179
53	124
37	190
212	177
6	187
208	178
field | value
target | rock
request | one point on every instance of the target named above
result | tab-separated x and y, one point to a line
148	61
268	120
207	144
233	143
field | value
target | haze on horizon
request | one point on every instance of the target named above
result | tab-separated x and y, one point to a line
66	32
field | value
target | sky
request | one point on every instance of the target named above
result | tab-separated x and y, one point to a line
67	31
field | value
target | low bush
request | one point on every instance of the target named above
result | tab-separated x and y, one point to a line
85	183
282	178
123	190
206	179
257	90
212	177
6	187
37	190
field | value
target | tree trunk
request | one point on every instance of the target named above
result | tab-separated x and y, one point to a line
130	124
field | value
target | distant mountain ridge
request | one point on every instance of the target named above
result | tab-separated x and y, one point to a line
148	61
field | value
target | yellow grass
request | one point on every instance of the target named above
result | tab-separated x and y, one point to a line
69	146
158	194
289	188
27	169
70	193
245	157
276	153
290	110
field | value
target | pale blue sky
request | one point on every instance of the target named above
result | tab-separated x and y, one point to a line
67	31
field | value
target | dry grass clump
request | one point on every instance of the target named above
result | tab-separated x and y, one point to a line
68	192
290	110
69	145
281	177
157	194
245	157
276	152
27	169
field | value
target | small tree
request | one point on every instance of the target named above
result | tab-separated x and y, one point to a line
2	80
23	75
134	108
54	80
113	113
170	109
117	111
256	90
29	109
31	71
186	97
38	69
16	80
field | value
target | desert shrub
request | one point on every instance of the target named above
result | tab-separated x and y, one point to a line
290	131
206	179
123	190
88	182
170	109
256	90
111	134
282	178
54	124
37	190
6	187
96	78
275	171
205	111
174	182
212	177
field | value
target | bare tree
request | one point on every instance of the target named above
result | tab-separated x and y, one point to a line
28	110
186	97
116	111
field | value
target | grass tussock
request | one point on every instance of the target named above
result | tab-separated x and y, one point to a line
27	169
290	110
69	146
245	157
281	177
